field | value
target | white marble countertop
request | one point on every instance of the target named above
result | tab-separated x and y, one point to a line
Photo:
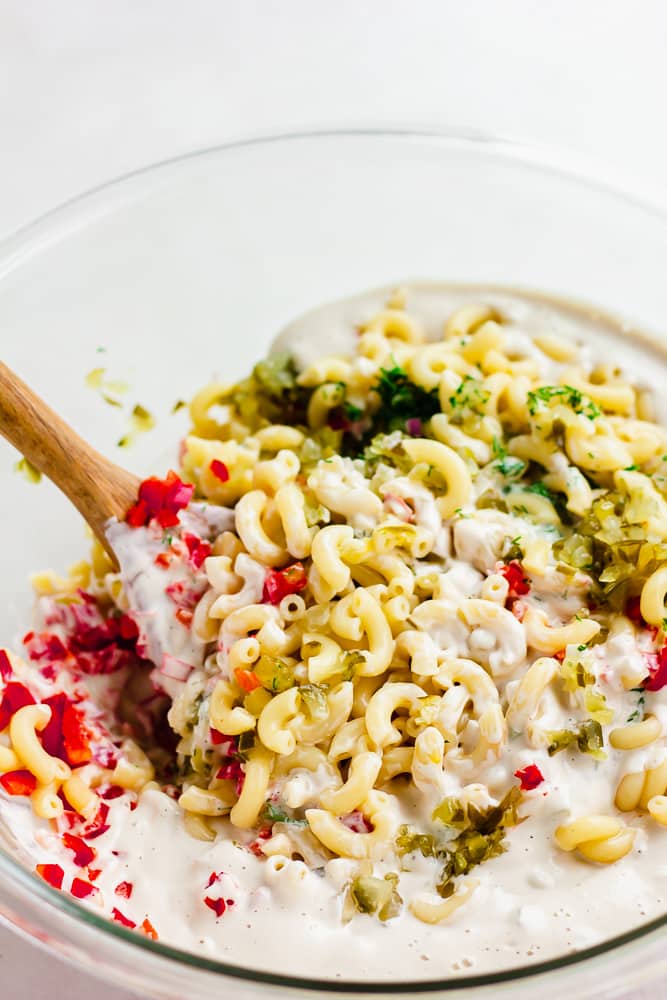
92	89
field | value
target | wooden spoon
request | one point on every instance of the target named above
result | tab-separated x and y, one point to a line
98	488
103	492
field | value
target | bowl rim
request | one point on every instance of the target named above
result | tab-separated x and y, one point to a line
54	225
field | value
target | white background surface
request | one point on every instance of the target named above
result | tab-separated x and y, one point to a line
92	89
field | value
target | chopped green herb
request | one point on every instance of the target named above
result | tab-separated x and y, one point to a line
638	714
566	394
401	400
511	467
469	396
178	405
272	813
541	490
352	412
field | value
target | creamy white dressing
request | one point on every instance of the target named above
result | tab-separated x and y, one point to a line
534	902
146	583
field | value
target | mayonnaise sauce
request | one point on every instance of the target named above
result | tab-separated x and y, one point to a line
533	903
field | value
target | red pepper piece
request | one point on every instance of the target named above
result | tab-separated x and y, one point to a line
217	905
14	696
160	499
51	736
247	680
283	582
94	873
53	874
149	930
81	889
112	792
83	852
122	919
219	470
76	737
633	612
198	549
657	678
18	782
519	585
98	825
124	889
357	822
128	628
5	665
529	776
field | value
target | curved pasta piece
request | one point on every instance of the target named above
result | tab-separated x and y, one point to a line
551	639
434	912
23	729
525	701
450	465
342	841
277	719
508	645
381	707
248	514
364	769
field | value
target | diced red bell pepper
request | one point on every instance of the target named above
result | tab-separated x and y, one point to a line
98	825
76	737
84	854
530	777
219	470
247	680
519	585
52	874
283	582
15	696
149	930
5	665
198	549
357	822
18	782
657	678
120	918
217	905
160	499
633	610
81	889
124	889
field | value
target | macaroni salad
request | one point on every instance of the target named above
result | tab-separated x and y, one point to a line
425	595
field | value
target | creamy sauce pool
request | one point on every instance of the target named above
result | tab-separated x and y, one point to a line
534	902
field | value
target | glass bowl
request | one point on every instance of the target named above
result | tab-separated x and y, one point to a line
187	270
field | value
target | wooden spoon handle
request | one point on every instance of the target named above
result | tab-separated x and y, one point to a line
97	488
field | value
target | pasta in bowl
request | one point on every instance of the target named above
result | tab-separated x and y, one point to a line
422	705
